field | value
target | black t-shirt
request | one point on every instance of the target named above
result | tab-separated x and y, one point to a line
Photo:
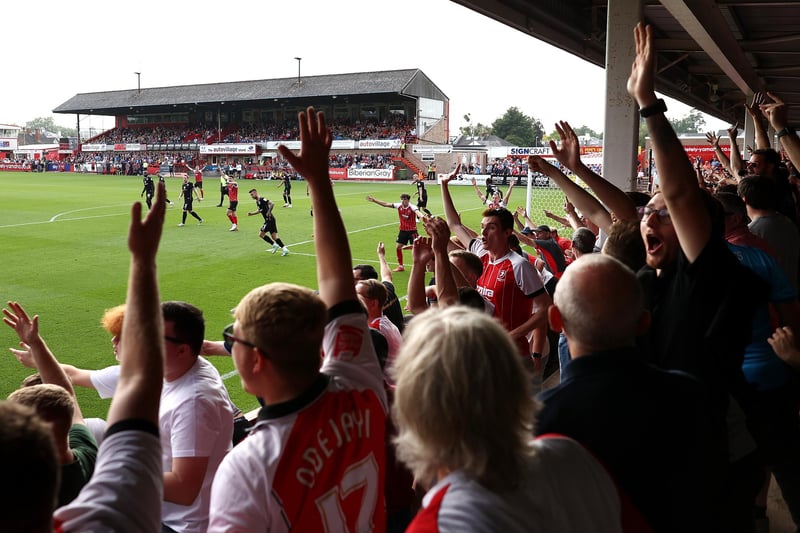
392	309
703	317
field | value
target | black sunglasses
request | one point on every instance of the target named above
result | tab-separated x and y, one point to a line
230	338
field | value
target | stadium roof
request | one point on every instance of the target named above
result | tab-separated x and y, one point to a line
712	54
355	87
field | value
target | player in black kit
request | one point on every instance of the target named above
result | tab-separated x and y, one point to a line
264	207
287	189
150	189
166	197
188	193
422	193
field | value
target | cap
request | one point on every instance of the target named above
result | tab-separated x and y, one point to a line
542	228
526	231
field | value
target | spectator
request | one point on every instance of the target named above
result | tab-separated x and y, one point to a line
29	457
701	298
670	468
125	491
392	308
779	231
321	433
508	281
484	471
373	295
54	401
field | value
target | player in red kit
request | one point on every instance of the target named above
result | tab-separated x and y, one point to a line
408	223
233	196
198	178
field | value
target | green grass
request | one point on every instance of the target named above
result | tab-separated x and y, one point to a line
63	240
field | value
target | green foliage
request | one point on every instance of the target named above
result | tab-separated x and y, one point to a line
65	256
474	130
580	131
518	128
691	123
48	124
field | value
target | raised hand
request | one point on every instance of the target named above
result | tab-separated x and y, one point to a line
754	109
26	328
641	82
24	355
440	234
315	145
537	164
712	139
421	251
145	234
733	131
569	154
453	175
776	112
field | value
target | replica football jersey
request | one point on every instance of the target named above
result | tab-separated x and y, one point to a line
317	462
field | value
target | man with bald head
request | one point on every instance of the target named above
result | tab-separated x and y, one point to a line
652	428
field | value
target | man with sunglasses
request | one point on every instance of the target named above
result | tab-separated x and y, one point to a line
196	420
315	459
702	300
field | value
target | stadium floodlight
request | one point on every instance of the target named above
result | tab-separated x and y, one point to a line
298	59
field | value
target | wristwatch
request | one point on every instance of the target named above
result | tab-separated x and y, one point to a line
653	109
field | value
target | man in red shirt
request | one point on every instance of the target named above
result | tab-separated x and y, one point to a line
408	223
509	281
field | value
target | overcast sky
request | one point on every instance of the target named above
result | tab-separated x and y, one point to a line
60	49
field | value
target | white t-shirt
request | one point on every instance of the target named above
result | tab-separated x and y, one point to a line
126	489
195	420
105	380
394	339
318	460
563	489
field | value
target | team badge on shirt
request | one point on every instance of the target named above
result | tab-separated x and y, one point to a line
348	343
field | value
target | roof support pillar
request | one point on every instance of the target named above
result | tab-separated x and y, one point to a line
621	116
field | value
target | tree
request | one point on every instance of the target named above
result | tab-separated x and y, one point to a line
580	131
48	124
475	130
518	128
691	123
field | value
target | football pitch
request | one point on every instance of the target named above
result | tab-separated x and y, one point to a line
63	239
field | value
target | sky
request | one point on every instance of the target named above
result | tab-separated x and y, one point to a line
483	67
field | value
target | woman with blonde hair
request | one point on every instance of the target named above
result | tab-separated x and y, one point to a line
465	416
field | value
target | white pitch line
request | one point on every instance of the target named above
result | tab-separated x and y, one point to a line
86	209
228	375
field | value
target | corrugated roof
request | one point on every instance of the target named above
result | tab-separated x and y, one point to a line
712	54
360	83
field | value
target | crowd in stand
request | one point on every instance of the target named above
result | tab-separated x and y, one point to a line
676	341
361	160
397	128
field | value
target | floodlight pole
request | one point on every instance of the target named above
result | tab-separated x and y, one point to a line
138	82
299	59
